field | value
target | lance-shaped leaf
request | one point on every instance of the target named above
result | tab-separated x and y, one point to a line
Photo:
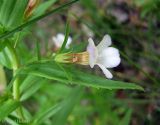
52	70
7	107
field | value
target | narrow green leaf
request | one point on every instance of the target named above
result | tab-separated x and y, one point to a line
21	27
51	70
1	1
28	82
45	115
5	96
30	85
17	14
56	91
43	7
66	37
3	45
27	115
5	60
7	107
8	57
69	103
12	120
6	9
127	117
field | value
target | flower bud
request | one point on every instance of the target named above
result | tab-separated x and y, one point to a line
32	4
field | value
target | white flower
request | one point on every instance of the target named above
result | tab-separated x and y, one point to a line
103	55
58	40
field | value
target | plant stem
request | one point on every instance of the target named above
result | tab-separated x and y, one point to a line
16	90
16	94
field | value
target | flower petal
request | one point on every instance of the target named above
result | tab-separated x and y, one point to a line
109	52
112	62
106	72
106	41
92	50
60	37
68	42
58	40
109	57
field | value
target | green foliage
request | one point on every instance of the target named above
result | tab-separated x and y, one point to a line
8	57
8	107
5	11
44	115
68	105
12	12
52	70
16	17
43	7
127	117
19	28
30	85
149	7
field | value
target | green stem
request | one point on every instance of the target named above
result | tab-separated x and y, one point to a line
16	92
16	88
16	95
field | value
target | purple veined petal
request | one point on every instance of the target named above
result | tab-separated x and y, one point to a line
106	41
106	72
92	50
